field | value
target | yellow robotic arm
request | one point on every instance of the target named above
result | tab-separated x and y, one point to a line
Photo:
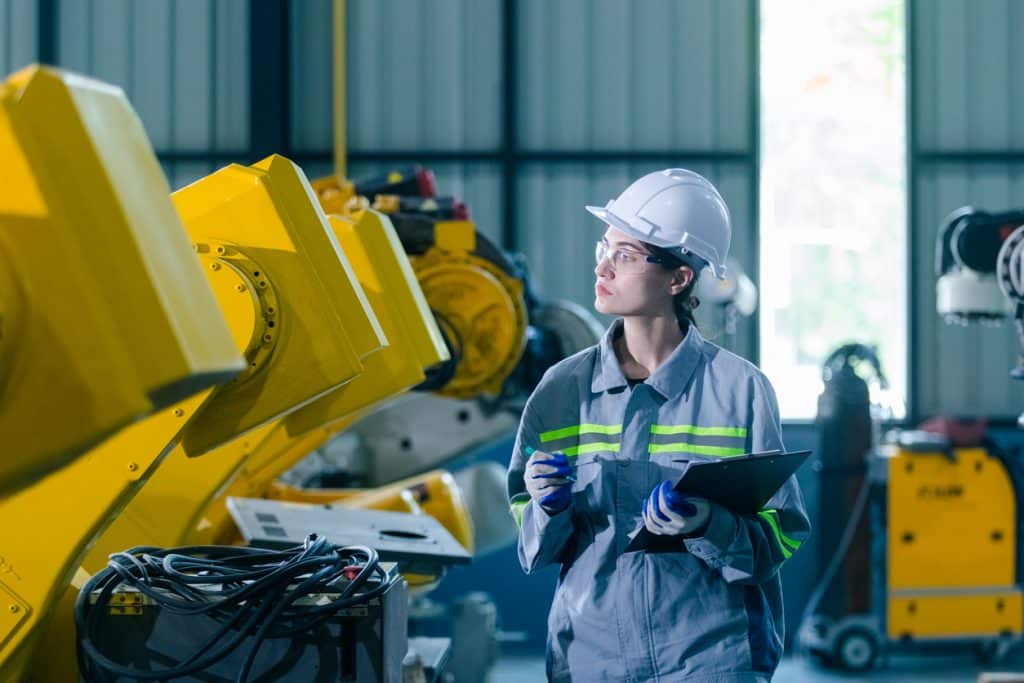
299	315
378	260
292	307
78	230
107	318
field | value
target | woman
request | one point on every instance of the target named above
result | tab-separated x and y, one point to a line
609	429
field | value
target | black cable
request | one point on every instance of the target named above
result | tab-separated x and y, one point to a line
251	591
818	593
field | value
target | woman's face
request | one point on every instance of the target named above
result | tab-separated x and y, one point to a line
628	285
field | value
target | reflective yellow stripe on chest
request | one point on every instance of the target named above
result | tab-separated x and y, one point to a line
719	442
584	438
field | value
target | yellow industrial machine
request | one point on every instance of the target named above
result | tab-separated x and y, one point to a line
290	301
416	345
178	505
952	567
944	566
301	318
475	293
931	539
179	501
263	239
83	219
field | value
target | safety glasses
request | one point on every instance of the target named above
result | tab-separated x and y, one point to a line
623	259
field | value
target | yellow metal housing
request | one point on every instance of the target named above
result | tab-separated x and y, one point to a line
291	310
963	615
377	257
322	326
101	261
936	504
105	315
383	270
478	304
480	307
69	508
952	546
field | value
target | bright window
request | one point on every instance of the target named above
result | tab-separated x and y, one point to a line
833	192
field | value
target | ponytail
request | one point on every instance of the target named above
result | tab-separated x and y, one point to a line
685	303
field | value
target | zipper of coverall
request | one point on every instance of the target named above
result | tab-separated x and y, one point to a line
649	412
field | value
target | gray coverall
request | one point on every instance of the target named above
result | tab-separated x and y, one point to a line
705	608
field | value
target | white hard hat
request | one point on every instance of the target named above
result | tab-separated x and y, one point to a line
674	209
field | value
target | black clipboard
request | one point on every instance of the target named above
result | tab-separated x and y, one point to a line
741	483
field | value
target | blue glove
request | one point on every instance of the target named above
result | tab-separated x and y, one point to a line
669	513
548	479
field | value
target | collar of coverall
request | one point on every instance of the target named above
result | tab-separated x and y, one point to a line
670	379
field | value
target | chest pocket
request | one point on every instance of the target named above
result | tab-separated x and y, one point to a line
589	447
589	486
673	447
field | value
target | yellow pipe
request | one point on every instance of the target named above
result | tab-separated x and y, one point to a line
340	158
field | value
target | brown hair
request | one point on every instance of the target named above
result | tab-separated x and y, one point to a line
684	303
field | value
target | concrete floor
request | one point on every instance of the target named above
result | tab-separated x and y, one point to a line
520	669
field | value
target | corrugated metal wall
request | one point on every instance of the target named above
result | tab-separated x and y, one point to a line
183	65
656	75
968	133
18	34
420	76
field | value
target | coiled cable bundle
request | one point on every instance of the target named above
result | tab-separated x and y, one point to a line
252	593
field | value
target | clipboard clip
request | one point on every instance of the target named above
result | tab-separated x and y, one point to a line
759	454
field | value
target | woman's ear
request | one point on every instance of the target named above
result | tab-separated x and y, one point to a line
681	279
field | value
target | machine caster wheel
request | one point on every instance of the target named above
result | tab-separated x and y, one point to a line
856	649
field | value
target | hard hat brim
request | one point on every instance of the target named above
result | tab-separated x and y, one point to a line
611	219
608	217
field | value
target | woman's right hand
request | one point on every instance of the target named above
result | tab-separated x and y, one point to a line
548	480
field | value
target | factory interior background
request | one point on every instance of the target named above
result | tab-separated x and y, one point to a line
871	153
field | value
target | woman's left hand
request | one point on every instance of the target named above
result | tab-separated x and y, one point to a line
669	513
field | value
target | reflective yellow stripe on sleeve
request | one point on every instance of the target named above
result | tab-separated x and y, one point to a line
786	544
519	501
